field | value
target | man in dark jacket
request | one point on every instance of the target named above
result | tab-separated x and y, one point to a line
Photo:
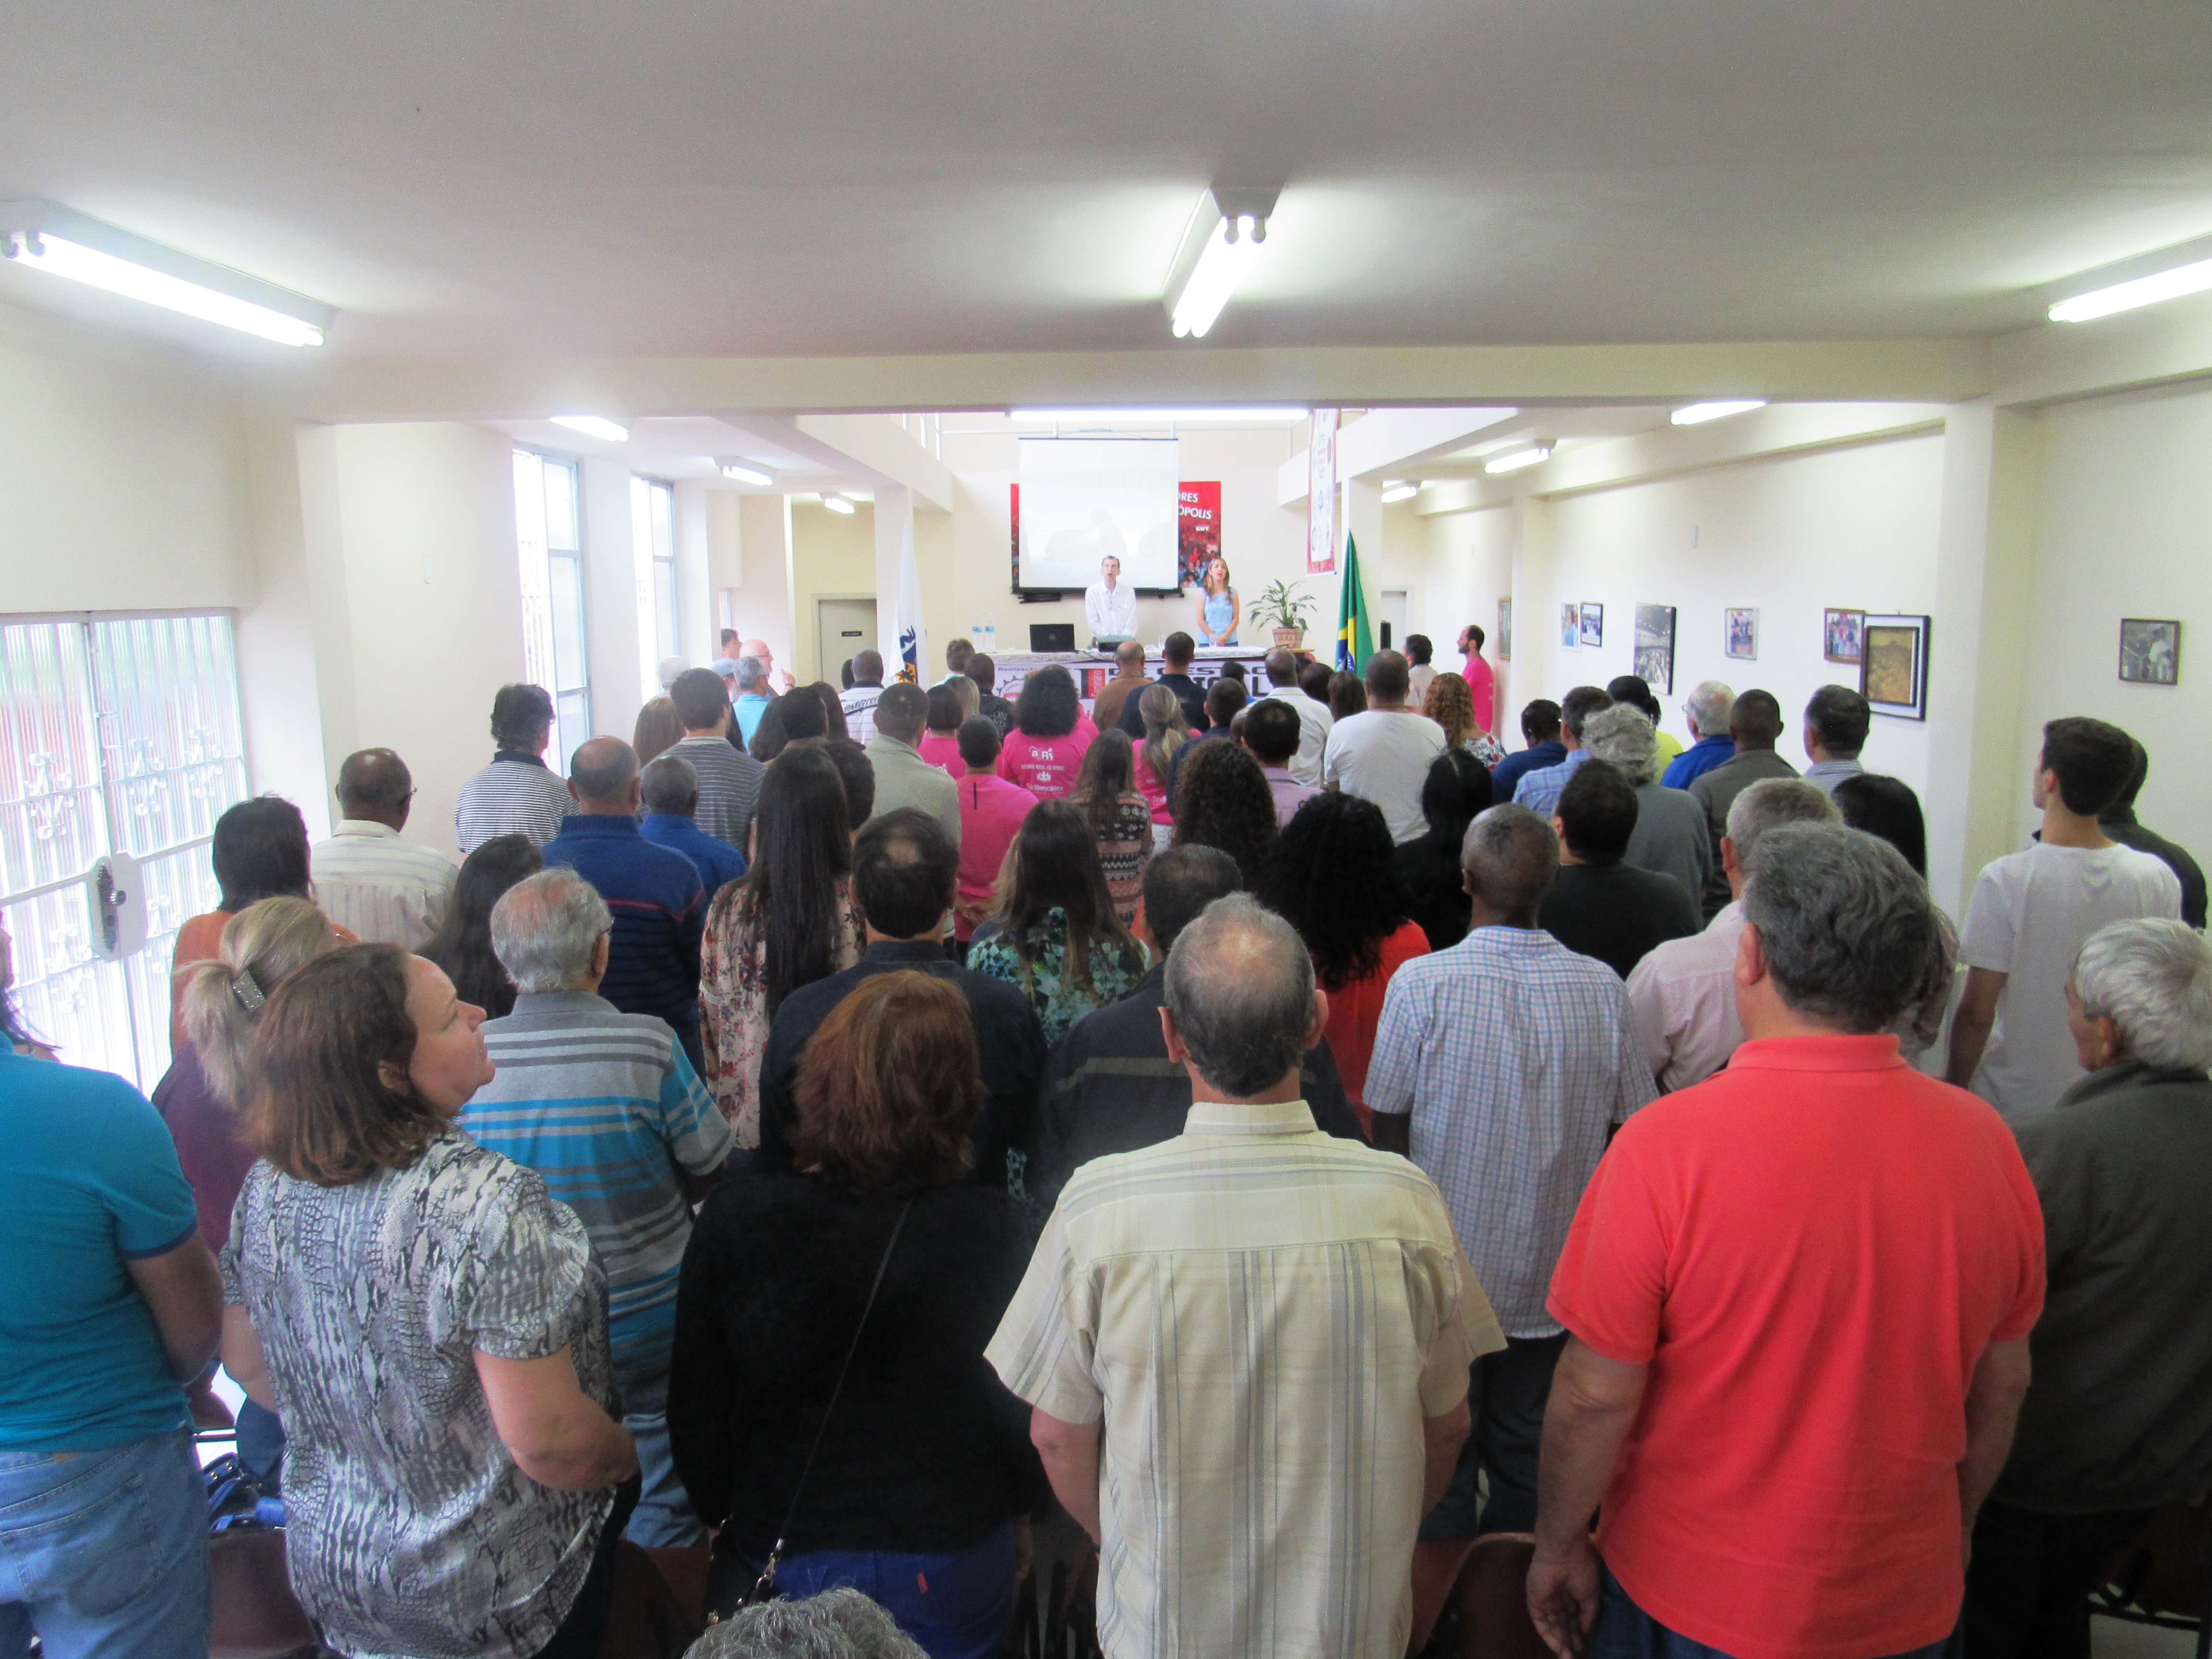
1112	1087
1176	651
904	866
2119	821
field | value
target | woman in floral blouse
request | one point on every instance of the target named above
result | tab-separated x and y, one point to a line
1453	710
1120	819
788	923
1056	935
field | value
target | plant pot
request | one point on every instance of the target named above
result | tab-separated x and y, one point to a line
1289	638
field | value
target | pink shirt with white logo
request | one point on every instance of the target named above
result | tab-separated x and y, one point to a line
1046	766
991	814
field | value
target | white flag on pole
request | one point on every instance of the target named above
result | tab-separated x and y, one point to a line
906	619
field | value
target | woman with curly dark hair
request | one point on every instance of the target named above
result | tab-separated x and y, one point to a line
1120	819
461	945
1222	799
1043	754
1333	874
1455	790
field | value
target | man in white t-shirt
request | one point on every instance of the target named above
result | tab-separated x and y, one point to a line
1109	608
858	700
1315	721
1384	754
2031	913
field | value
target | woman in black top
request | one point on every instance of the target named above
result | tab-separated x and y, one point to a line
1458	789
920	1493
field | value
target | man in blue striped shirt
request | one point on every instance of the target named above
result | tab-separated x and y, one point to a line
605	1106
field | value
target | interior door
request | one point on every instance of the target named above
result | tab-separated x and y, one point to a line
842	628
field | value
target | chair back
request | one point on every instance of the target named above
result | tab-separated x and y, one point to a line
1491	1599
256	1616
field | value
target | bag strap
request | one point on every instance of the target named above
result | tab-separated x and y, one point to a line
775	1555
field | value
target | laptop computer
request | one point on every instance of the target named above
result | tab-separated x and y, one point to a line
1052	636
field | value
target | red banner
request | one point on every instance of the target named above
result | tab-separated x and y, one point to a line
1200	538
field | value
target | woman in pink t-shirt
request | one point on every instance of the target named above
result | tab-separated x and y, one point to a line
1044	751
940	742
1166	730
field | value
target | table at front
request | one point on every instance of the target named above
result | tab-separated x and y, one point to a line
1092	669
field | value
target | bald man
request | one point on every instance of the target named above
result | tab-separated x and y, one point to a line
759	649
1129	679
387	890
658	902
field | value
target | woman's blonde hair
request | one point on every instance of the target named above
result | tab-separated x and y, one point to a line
263	946
1451	705
1165	728
966	693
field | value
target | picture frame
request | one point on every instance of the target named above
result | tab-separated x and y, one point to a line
1843	635
1893	669
1654	648
1505	631
1570	627
1740	632
1593	620
2150	651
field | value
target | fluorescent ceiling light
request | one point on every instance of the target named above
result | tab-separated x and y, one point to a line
2143	291
1698	414
1514	459
752	472
595	426
837	504
44	236
1219	247
1393	492
1157	417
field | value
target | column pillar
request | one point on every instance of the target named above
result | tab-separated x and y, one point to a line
894	535
1535	662
610	599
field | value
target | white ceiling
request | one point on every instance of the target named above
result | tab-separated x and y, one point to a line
685	179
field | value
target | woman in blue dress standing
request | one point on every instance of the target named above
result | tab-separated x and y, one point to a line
1216	606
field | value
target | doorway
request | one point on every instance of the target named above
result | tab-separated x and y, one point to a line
1392	605
842	626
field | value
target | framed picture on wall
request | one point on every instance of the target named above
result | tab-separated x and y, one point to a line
1570	627
1593	624
1655	647
2150	651
1505	631
1893	677
1740	632
1843	635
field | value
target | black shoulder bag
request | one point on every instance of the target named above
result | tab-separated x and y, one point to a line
764	1587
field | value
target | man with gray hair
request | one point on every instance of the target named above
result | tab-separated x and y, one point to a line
2118	1421
1319	1320
606	1106
1708	708
754	693
1671	835
1500	1066
838	1624
659	902
671	787
1799	1296
1683	994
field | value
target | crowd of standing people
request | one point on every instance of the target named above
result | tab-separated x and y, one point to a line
1292	1134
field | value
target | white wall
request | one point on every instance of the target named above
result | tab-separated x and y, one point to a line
1853	527
2124	529
1467	567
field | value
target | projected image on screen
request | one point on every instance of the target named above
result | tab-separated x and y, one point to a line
1087	499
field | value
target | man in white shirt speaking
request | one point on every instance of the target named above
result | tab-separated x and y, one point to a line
1109	608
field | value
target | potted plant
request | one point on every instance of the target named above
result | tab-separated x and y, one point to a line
1285	610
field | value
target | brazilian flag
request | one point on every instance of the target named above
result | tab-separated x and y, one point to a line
1354	645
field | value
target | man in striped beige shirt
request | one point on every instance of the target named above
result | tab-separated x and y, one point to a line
385	890
1260	1334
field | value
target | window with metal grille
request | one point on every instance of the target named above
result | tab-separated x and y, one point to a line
549	536
118	734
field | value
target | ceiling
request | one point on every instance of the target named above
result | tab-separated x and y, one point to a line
682	179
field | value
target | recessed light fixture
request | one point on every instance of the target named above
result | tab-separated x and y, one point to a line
45	236
752	472
1514	459
1698	414
1216	253
1394	491
837	504
1104	417
595	426
2143	291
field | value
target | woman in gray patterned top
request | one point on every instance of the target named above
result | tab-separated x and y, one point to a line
431	1326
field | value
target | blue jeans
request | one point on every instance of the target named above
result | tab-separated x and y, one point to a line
956	1605
664	1515
1624	1631
103	1553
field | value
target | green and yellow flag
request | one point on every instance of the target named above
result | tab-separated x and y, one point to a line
1353	643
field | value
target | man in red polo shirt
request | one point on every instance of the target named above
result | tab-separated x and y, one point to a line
1798	1296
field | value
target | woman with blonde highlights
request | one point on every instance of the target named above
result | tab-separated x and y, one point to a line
878	1244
